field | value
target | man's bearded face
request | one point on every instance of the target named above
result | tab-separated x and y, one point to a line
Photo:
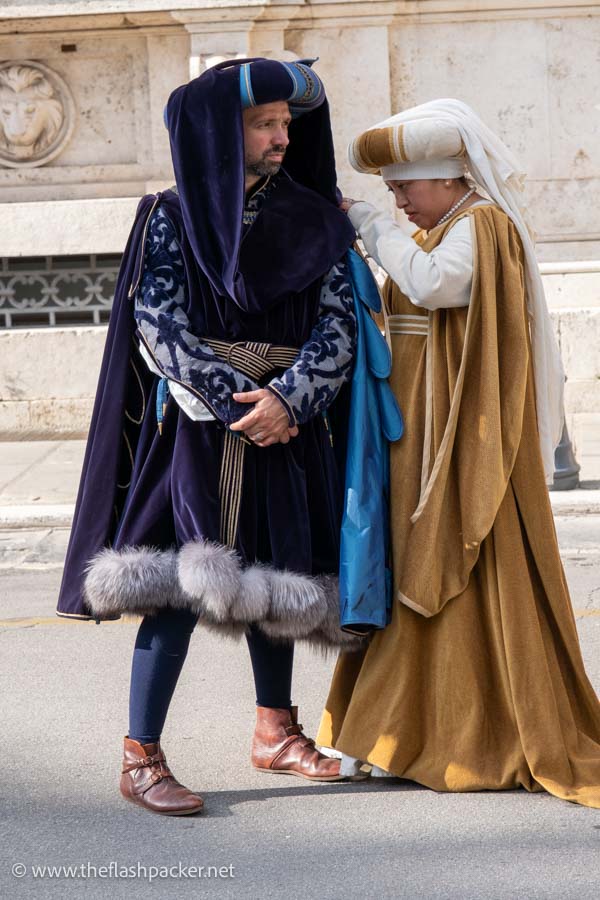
265	138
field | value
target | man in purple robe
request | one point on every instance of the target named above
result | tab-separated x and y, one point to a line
212	483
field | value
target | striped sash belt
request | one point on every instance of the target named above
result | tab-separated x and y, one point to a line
254	360
405	324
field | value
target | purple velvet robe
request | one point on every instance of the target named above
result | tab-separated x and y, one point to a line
142	488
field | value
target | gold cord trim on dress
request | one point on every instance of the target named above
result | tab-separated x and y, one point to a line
414	606
140	268
141	387
123	487
406	324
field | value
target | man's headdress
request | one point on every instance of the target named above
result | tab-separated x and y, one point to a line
204	118
267	80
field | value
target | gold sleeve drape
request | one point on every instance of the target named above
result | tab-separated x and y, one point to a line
476	376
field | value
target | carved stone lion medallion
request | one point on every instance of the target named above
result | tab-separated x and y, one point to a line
37	114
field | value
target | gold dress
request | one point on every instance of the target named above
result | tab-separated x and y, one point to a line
478	682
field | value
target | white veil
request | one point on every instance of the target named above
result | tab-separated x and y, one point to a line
495	169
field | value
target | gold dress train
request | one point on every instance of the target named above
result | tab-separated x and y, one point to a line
478	682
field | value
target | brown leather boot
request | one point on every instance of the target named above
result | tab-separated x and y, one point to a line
280	747
147	781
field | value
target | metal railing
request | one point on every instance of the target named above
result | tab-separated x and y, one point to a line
56	291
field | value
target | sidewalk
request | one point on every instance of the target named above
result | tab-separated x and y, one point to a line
39	481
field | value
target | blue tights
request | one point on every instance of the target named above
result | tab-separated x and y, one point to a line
160	651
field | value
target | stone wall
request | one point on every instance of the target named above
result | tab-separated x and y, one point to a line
529	69
118	145
47	381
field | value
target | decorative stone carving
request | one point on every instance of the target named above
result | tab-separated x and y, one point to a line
37	114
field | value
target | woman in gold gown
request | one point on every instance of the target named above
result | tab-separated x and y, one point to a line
478	682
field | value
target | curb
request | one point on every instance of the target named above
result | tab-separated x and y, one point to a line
580	502
14	518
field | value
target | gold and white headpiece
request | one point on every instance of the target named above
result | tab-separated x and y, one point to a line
434	137
422	148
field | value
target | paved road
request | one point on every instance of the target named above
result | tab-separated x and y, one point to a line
64	698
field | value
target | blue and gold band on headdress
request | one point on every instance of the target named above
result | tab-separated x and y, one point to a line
267	81
246	87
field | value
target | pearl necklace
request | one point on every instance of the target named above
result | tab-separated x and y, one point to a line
456	206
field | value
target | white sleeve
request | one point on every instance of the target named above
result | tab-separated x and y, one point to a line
435	280
191	405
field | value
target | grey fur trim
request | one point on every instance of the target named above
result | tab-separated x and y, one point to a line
254	598
211	574
297	605
207	578
329	632
133	580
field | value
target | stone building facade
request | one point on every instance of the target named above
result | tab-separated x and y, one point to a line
82	89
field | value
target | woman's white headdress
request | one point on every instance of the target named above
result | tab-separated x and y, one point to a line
494	169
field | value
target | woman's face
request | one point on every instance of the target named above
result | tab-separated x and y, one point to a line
424	200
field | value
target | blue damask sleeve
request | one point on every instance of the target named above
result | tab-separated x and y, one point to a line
164	327
325	361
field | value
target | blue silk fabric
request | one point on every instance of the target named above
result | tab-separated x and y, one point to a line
374	420
259	283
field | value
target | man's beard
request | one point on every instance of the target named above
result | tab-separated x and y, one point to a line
264	166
